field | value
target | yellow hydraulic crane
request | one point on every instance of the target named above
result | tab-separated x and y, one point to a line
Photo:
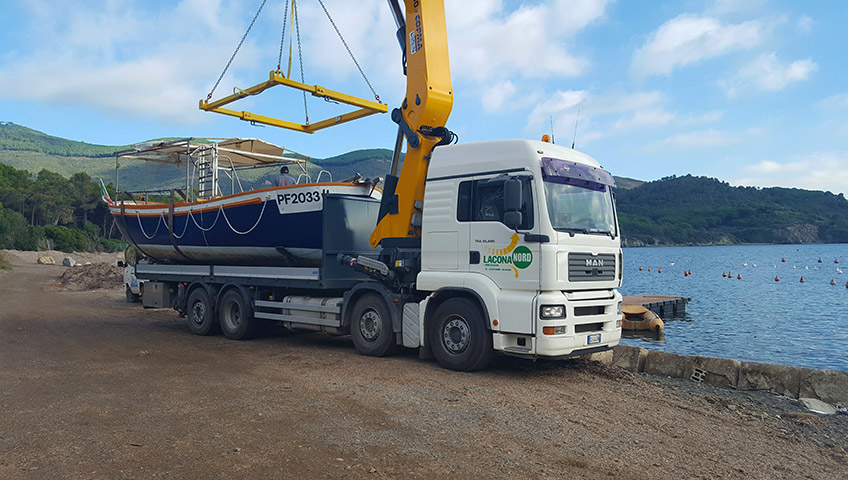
421	118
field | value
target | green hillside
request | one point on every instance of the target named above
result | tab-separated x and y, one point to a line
19	138
700	210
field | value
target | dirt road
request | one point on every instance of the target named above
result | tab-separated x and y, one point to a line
94	387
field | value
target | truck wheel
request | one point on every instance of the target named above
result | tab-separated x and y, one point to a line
237	322
199	312
371	327
458	337
131	297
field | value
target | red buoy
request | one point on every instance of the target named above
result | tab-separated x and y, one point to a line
640	269
739	277
802	279
832	282
777	278
660	270
723	274
783	260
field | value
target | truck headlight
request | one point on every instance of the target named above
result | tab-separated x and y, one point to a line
552	311
618	309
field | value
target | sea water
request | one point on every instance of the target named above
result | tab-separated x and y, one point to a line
754	318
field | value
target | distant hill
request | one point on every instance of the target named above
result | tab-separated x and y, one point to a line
19	138
699	211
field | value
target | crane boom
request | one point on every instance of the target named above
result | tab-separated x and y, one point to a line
421	118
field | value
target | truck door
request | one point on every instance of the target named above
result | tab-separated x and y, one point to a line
499	252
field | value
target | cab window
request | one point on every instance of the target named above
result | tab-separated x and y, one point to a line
482	201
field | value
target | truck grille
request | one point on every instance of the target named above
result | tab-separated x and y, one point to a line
585	267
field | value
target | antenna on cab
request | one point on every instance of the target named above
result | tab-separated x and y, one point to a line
574	139
553	138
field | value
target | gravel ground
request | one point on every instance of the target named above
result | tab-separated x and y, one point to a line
94	387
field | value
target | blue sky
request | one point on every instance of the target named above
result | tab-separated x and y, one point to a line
752	92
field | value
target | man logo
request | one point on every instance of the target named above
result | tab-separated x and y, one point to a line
594	262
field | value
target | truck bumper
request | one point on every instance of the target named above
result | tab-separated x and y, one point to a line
589	325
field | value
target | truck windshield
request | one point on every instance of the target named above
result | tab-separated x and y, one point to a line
579	197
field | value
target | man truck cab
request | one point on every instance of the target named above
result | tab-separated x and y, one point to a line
530	228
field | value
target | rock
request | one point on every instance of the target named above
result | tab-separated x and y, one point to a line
768	376
46	260
68	262
669	364
602	357
827	385
720	372
817	406
629	358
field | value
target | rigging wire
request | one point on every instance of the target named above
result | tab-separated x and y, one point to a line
300	57
377	97
237	49
283	37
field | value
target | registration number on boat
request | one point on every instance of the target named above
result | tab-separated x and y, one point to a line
300	201
595	338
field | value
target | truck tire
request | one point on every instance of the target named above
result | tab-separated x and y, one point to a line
234	315
131	297
458	337
371	327
200	314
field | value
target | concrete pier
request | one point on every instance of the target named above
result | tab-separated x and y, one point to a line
829	386
662	305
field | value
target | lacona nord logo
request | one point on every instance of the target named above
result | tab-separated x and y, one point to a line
513	257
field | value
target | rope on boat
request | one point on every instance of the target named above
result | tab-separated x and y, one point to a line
218	213
141	227
215	222
264	204
185	228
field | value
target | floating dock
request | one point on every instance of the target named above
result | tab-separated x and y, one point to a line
660	304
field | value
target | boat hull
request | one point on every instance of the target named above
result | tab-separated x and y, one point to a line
281	226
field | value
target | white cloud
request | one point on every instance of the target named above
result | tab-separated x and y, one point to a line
767	73
124	57
701	139
560	103
489	44
709	138
688	39
834	102
817	171
495	96
804	24
645	119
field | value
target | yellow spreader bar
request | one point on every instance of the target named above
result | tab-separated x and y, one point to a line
366	107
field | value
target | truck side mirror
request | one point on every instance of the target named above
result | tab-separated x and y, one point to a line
513	200
512	219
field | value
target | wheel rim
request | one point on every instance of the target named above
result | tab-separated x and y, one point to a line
233	316
370	325
198	313
456	335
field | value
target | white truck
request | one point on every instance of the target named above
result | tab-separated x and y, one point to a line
507	246
519	253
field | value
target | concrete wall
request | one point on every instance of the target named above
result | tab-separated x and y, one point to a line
830	386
